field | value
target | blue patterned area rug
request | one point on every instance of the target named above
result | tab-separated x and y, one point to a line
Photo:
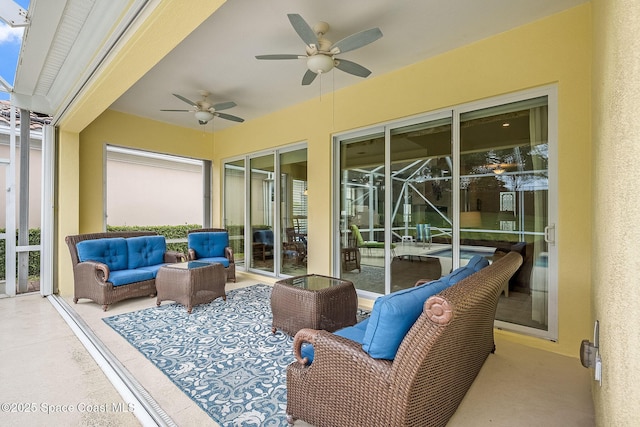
223	356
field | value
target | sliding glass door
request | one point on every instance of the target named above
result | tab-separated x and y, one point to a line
265	211
504	200
421	197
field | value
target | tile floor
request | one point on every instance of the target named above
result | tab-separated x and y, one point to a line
44	366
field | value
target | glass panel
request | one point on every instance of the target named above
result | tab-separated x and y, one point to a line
362	188
234	208
262	193
503	200
293	212
421	193
4	153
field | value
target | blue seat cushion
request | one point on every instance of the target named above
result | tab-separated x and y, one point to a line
354	333
124	277
111	251
219	259
145	251
208	244
393	315
152	268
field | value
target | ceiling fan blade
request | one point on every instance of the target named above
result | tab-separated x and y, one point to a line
188	101
180	111
308	77
280	56
224	106
352	68
303	29
356	41
228	117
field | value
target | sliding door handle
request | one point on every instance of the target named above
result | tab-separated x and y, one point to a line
550	234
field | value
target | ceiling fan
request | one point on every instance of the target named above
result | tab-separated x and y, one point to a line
205	111
321	53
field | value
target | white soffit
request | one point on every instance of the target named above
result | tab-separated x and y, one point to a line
63	45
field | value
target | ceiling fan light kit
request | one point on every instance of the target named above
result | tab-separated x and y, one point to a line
203	117
320	63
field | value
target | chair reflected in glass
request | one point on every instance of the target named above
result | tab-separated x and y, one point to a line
350	256
295	246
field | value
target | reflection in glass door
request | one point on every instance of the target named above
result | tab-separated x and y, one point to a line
421	174
234	208
362	212
293	212
504	190
262	211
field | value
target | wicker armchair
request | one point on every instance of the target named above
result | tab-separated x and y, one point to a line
89	276
228	252
435	365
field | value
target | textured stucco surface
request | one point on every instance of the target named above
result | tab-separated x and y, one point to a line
616	208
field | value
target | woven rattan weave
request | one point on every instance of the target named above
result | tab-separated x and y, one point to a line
435	365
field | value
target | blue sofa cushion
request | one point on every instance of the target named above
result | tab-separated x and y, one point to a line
208	244
458	274
111	251
124	277
145	251
477	263
354	333
393	315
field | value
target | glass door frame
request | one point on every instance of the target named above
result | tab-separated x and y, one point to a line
550	230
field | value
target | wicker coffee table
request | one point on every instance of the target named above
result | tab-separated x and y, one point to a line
313	301
191	283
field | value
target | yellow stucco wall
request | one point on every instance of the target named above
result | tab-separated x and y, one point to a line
616	209
556	50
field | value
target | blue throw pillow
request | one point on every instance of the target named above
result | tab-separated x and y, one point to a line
111	251
392	317
458	274
146	250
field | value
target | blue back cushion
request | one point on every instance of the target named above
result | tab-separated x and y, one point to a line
477	263
146	250
354	333
392	317
208	244
110	251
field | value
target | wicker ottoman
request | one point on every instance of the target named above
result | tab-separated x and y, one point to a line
191	283
313	301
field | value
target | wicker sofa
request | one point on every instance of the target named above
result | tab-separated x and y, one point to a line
116	266
435	364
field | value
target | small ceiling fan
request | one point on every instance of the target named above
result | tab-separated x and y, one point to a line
205	111
321	53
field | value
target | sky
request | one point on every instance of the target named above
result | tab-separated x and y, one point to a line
10	41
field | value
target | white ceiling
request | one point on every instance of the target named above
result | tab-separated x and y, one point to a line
219	56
